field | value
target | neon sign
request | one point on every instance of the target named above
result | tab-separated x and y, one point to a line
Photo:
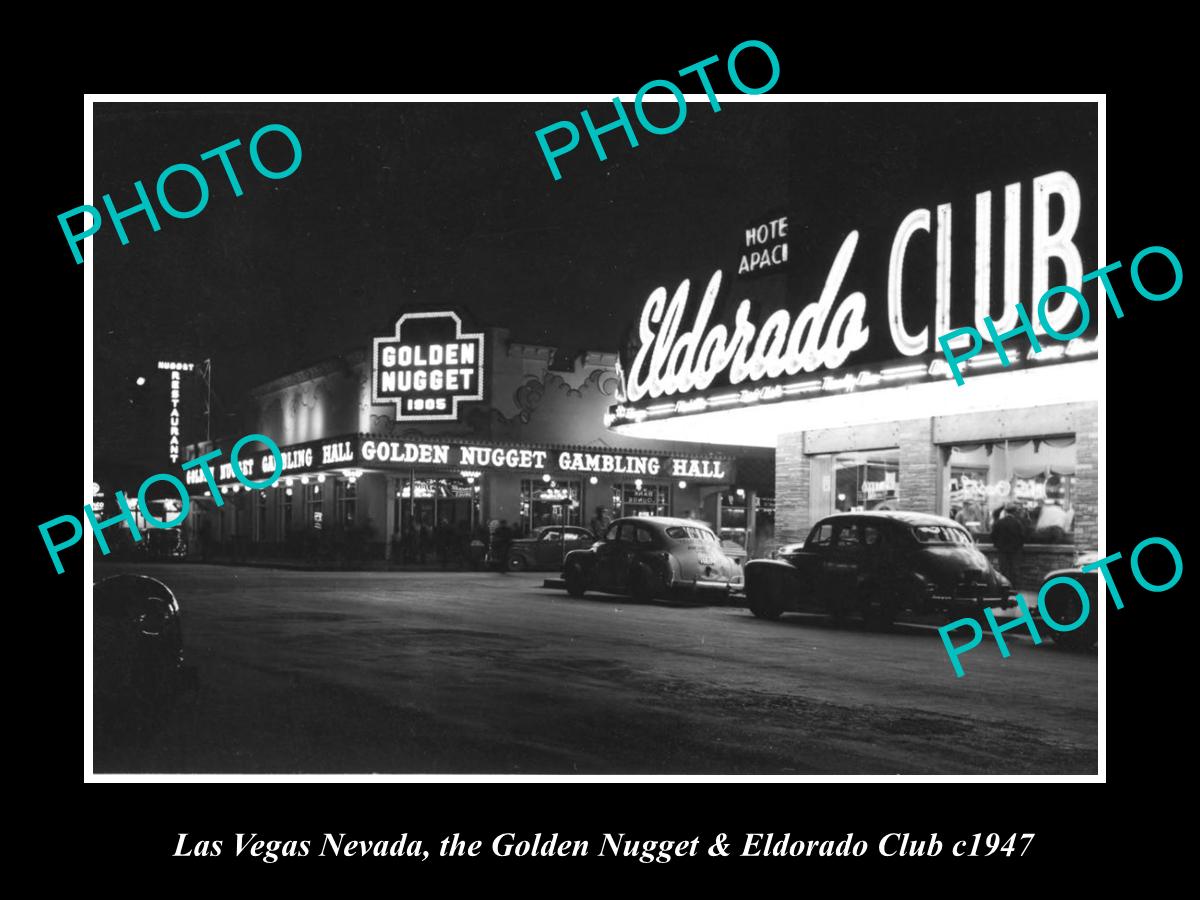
427	367
850	338
175	368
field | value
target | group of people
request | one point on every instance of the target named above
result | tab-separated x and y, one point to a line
419	543
1012	526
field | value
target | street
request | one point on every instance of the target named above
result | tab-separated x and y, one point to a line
461	672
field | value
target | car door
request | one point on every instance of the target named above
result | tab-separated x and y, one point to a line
809	562
613	555
548	552
842	565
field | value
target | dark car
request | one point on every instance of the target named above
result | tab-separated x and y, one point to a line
1064	605
649	556
137	654
877	565
166	543
546	549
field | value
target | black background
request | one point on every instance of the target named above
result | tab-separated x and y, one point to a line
124	834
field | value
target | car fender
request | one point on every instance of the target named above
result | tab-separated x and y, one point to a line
773	582
585	559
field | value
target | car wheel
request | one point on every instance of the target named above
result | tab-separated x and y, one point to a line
517	563
641	586
764	609
573	577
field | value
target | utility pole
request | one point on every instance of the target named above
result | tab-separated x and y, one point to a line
207	372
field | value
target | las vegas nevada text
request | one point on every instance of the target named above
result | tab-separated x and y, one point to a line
712	436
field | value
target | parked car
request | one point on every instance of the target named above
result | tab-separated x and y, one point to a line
648	557
1063	604
166	543
137	654
547	547
877	565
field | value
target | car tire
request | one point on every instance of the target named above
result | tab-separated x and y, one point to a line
769	609
517	563
641	586
574	580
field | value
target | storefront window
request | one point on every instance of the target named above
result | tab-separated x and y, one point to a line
866	480
260	516
549	503
425	503
285	513
1031	478
313	514
644	499
345	496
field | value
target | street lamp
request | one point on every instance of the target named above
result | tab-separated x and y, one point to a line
141	380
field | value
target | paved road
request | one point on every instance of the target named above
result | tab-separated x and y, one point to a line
486	673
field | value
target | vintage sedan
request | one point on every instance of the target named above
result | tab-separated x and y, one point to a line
1063	603
137	655
876	565
546	549
650	557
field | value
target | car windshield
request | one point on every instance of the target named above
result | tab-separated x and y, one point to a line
691	533
940	534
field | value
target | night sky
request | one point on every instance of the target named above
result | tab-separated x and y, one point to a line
400	204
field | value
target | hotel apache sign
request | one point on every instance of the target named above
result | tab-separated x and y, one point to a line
427	367
860	330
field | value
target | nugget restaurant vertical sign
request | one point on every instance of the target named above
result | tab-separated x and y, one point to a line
427	367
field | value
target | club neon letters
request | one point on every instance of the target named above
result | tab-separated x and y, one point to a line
976	339
622	120
126	515
1025	617
74	240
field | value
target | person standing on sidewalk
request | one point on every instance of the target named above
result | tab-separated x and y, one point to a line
1008	537
599	523
501	541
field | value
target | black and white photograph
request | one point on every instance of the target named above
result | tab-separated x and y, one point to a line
443	437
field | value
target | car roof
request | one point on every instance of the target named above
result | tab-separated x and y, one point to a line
904	517
661	521
542	528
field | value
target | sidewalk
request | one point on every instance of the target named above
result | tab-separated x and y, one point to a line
364	565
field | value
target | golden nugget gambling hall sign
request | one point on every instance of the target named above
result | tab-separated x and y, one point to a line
427	367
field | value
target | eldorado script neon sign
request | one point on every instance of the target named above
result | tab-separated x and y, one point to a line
824	333
666	364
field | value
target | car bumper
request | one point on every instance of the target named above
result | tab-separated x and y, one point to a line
699	585
973	604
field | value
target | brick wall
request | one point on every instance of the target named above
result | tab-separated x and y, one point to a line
1087	468
920	467
792	474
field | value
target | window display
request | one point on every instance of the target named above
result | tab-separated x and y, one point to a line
345	494
640	498
867	480
549	502
1032	478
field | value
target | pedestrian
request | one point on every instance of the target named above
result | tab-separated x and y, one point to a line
599	523
444	537
205	539
424	539
1008	537
501	541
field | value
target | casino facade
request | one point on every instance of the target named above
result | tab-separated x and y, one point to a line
437	424
832	360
